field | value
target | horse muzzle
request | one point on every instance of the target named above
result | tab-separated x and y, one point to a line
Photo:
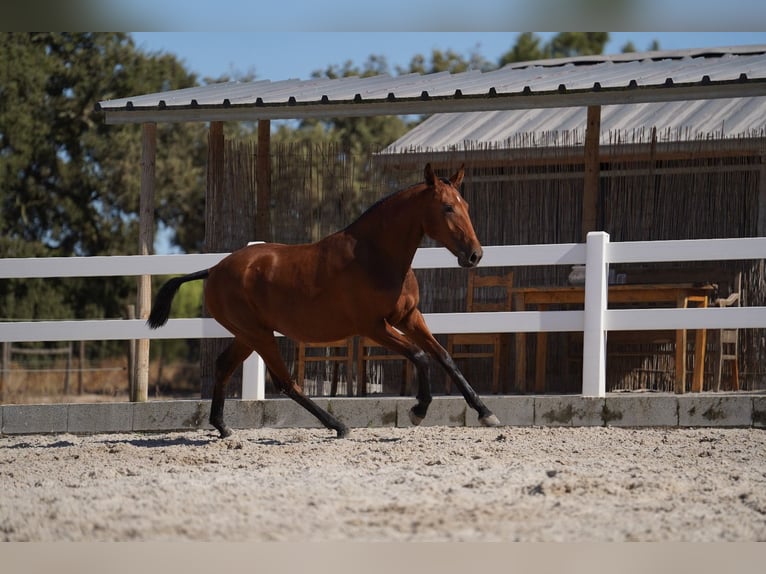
470	258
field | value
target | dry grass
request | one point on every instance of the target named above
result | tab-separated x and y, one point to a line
102	381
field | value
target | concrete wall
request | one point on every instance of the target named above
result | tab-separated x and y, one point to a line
626	410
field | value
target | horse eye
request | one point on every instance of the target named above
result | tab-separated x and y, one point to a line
449	208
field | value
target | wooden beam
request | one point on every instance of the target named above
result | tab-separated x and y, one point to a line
215	177
573	155
592	175
140	390
216	180
761	230
5	369
263	182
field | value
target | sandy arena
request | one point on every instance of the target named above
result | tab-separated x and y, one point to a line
387	484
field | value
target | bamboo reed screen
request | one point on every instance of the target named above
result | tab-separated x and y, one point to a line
529	190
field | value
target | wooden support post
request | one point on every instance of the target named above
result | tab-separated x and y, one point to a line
263	182
592	171
214	192
130	313
762	198
81	366
140	390
5	369
68	370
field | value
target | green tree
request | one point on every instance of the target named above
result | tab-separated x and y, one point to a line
530	47
68	182
449	61
629	47
526	49
569	44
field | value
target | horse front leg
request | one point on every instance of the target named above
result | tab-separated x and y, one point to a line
401	345
414	326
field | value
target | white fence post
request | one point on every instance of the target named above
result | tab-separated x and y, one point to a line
594	333
253	378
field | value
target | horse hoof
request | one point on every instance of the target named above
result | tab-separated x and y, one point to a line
343	432
490	421
225	431
415	419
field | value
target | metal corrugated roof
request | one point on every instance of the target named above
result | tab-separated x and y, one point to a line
728	117
671	75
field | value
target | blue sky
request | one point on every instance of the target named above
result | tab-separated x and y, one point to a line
284	55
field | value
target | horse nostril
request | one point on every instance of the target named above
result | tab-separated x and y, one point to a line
474	258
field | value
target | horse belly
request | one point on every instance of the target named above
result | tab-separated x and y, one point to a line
312	319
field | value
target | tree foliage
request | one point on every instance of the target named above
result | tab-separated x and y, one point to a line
68	182
530	47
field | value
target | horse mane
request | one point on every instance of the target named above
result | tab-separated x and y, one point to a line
385	199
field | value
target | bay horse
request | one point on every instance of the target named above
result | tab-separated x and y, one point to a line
357	281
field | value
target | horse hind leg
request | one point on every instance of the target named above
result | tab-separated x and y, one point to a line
266	347
225	364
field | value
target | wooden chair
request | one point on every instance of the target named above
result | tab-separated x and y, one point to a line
369	351
335	352
726	340
484	345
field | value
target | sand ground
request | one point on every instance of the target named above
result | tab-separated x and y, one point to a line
387	484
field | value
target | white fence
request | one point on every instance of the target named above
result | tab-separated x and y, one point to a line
594	321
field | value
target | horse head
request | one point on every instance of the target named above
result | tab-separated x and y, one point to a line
447	220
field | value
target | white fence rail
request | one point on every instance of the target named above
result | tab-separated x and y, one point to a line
594	321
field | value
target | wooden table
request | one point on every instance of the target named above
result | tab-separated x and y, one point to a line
679	294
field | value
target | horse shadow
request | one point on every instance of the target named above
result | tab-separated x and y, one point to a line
161	441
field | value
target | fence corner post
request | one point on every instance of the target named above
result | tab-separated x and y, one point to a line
594	330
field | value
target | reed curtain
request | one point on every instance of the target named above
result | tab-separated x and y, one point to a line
529	190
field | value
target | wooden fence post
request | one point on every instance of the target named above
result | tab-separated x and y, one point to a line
5	369
68	370
81	366
139	392
130	311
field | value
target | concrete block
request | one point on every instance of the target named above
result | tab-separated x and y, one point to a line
513	411
28	419
240	414
443	411
365	412
641	410
566	410
715	410
286	413
171	415
759	412
100	417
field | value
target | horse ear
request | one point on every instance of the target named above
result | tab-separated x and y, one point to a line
457	179
429	174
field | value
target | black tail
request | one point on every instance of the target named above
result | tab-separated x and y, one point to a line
161	308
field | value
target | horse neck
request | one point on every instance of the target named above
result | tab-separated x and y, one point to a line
393	227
